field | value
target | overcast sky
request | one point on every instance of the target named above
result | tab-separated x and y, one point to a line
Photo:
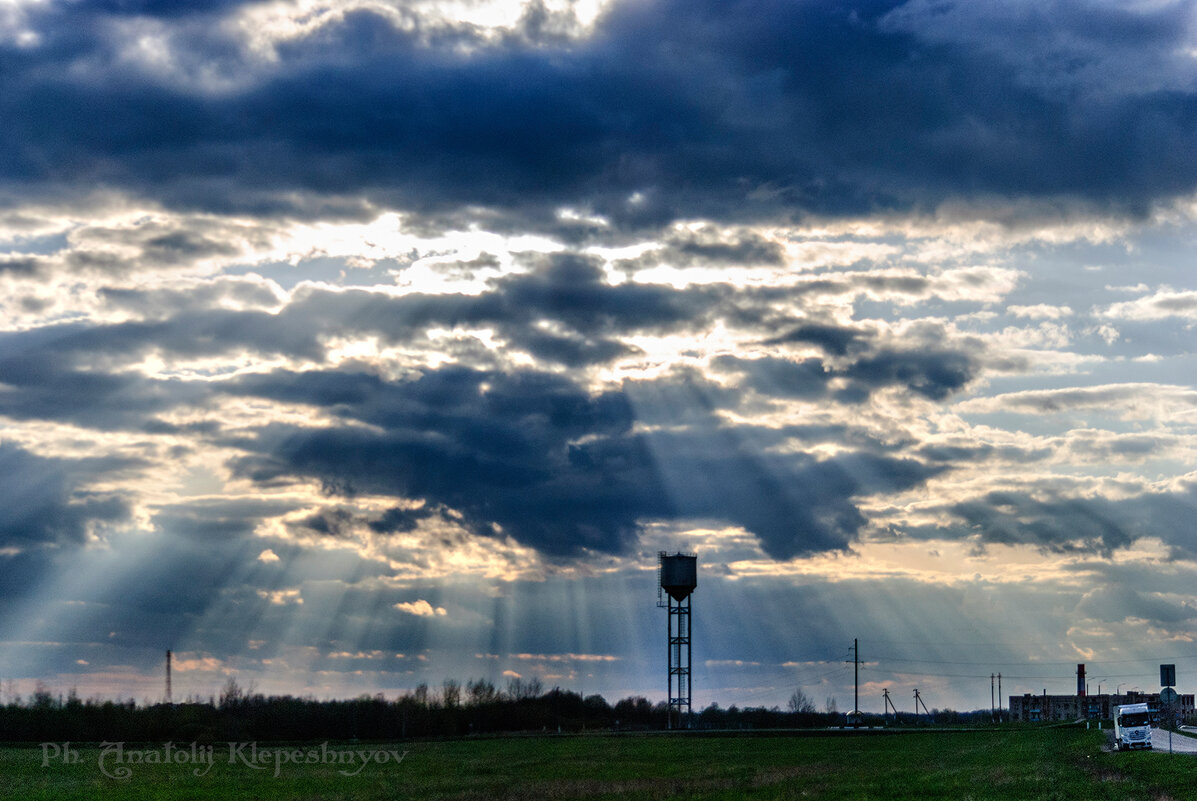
347	345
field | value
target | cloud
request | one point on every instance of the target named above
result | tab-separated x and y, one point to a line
835	340
182	297
788	110
1061	522
709	246
934	374
369	305
776	377
420	608
1120	603
1061	46
216	520
566	657
1040	311
1104	447
281	597
1126	400
1159	306
533	456
49	502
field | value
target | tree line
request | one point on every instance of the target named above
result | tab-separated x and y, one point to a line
476	707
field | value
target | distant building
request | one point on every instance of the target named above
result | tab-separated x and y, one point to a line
1030	708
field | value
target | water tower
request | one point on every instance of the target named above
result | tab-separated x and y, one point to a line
677	576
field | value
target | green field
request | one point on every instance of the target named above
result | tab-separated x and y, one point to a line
1059	763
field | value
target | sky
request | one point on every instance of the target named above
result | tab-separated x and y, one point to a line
354	344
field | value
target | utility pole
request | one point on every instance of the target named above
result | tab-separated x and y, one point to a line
918	700
888	703
856	680
1001	709
991	678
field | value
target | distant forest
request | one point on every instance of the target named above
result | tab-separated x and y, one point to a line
453	710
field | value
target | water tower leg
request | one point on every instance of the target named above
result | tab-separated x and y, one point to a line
680	693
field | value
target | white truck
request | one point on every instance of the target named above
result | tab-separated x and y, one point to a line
1132	727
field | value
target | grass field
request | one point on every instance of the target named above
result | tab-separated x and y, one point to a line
1059	763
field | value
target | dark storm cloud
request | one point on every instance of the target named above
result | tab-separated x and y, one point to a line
1061	523
156	8
957	454
562	311
337	521
38	390
400	520
534	456
572	289
574	351
746	248
20	265
217	520
934	374
835	339
568	291
162	302
47	501
72	372
776	377
777	107
702	248
1068	524
1119	602
53	349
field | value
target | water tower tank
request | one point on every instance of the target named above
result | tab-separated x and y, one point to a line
679	574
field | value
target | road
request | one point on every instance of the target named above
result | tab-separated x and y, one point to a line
1180	743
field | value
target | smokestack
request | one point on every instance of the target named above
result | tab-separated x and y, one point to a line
168	700
1080	681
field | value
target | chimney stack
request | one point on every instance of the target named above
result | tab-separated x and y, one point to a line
1080	681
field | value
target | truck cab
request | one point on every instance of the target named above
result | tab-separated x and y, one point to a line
1132	727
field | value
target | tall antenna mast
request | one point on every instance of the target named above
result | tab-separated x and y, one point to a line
168	696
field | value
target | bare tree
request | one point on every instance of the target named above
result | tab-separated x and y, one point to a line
43	698
231	694
801	703
520	689
830	706
451	693
480	692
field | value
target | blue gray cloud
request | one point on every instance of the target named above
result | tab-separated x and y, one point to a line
777	109
51	501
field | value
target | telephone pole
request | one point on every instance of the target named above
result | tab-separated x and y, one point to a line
991	711
856	680
919	700
888	703
1001	711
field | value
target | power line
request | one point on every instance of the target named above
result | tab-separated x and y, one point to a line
986	675
1147	659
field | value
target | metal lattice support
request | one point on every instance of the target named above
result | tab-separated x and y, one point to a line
679	663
